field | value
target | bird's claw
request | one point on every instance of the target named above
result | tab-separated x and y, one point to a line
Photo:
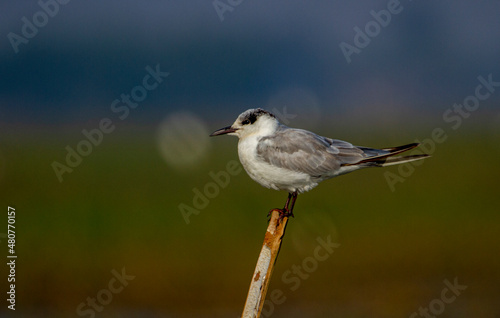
283	213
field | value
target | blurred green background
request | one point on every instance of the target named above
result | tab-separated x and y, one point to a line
119	211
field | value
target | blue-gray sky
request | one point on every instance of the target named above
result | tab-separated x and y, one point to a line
90	52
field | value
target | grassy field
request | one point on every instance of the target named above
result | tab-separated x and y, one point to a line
119	210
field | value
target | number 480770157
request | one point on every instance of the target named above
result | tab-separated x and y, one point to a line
11	213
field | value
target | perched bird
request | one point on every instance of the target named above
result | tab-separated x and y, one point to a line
296	160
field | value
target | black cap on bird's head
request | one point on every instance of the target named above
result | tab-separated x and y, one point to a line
244	120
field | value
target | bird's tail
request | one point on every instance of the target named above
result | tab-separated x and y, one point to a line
387	158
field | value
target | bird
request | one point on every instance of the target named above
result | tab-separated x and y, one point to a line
296	160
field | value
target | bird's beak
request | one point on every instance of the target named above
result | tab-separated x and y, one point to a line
223	131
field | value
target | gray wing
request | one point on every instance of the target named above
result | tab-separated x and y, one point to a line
303	151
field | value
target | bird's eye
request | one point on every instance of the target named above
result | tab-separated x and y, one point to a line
246	122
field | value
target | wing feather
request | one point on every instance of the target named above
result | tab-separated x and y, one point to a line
303	151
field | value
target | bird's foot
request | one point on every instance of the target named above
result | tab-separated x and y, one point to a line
284	213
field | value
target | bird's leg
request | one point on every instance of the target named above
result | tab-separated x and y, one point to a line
284	210
294	197
287	210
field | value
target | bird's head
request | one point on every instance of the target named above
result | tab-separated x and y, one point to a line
250	122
